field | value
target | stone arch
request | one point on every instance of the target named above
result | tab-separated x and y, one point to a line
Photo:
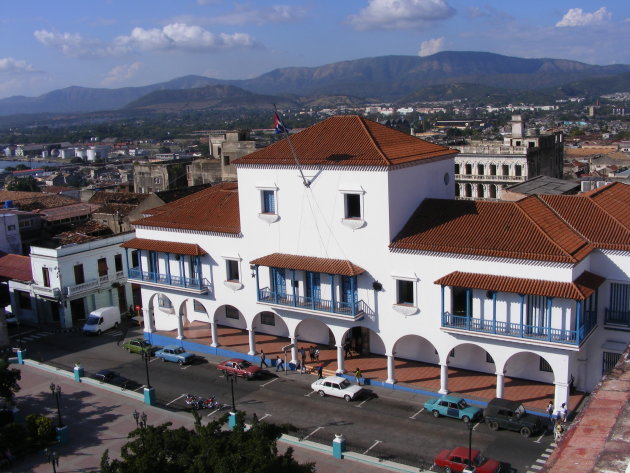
529	365
493	191
270	323
316	331
162	312
364	340
480	191
191	310
469	356
230	316
416	348
467	190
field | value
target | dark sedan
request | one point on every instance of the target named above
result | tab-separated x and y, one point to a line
113	378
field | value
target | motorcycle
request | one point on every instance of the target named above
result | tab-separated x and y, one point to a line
197	402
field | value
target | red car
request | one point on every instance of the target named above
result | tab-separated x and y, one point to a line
239	367
456	460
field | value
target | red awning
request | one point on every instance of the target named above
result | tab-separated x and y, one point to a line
309	263
165	246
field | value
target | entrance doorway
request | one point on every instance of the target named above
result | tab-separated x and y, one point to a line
77	308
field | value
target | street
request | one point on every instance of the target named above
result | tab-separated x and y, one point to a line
384	423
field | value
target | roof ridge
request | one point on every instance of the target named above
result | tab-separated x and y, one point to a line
372	140
539	227
602	208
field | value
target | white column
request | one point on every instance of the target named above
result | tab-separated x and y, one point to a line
561	395
294	353
180	327
391	378
443	378
340	360
252	343
500	384
213	332
148	320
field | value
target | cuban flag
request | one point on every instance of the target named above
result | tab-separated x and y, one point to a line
278	125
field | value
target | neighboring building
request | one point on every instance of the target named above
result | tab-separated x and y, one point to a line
226	147
204	171
10	240
366	242
72	279
539	185
15	280
159	176
483	168
118	209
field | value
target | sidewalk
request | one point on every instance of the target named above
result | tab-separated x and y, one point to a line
99	419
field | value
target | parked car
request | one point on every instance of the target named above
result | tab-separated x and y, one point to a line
174	354
452	406
338	387
456	460
511	415
239	367
140	345
113	378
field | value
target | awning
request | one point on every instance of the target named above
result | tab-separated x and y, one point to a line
165	246
309	263
580	289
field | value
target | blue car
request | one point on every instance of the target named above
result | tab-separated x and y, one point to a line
174	354
452	406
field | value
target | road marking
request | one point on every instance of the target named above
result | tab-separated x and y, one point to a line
476	425
414	416
274	379
214	412
538	460
361	404
536	467
318	428
545	455
177	398
265	416
309	394
185	367
373	445
539	439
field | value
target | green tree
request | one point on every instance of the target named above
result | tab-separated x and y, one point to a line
9	378
28	184
205	449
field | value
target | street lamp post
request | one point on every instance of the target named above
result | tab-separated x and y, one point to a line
231	378
146	356
470	430
52	458
55	389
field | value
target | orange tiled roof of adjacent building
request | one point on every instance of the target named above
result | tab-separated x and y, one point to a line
177	248
347	140
15	267
309	263
211	210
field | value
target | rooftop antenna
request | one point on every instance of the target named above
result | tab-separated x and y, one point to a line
281	128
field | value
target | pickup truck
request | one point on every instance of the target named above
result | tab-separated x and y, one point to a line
456	461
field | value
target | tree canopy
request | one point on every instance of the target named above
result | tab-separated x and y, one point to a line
205	449
9	378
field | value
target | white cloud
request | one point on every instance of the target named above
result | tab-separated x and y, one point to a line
73	45
431	46
577	17
401	14
274	14
121	73
8	64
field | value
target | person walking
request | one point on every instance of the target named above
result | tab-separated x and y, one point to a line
550	411
263	359
316	354
320	371
311	353
278	363
358	375
346	348
303	357
562	412
558	431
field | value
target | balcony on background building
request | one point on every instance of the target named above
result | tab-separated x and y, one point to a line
194	285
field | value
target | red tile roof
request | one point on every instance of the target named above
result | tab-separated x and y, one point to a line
165	246
579	289
211	210
347	140
15	267
309	263
523	230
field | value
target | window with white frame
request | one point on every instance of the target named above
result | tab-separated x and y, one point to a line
232	270
405	292
268	201
352	206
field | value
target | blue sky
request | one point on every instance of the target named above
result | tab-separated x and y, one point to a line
48	44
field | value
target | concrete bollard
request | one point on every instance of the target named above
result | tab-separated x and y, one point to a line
232	420
339	446
78	373
21	356
149	396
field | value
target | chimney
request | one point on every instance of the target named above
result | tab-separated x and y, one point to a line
517	126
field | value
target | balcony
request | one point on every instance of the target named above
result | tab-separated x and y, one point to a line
522	331
44	291
488	177
618	318
336	309
88	286
194	285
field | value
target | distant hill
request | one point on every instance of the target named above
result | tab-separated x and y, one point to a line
379	78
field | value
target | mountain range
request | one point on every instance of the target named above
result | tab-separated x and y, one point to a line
449	74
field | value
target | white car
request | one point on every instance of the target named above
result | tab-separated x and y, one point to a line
336	386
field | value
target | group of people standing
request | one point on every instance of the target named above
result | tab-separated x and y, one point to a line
558	418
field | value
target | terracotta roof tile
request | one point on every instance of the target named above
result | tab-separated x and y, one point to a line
580	289
15	267
211	210
348	140
165	246
615	200
309	263
498	229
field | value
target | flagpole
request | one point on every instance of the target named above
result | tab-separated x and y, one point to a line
286	132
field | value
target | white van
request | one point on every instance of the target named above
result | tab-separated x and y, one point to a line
102	319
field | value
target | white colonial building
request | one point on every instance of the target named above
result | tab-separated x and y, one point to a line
364	240
71	280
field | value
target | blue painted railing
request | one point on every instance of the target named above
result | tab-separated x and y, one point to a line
323	305
617	317
169	280
532	332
